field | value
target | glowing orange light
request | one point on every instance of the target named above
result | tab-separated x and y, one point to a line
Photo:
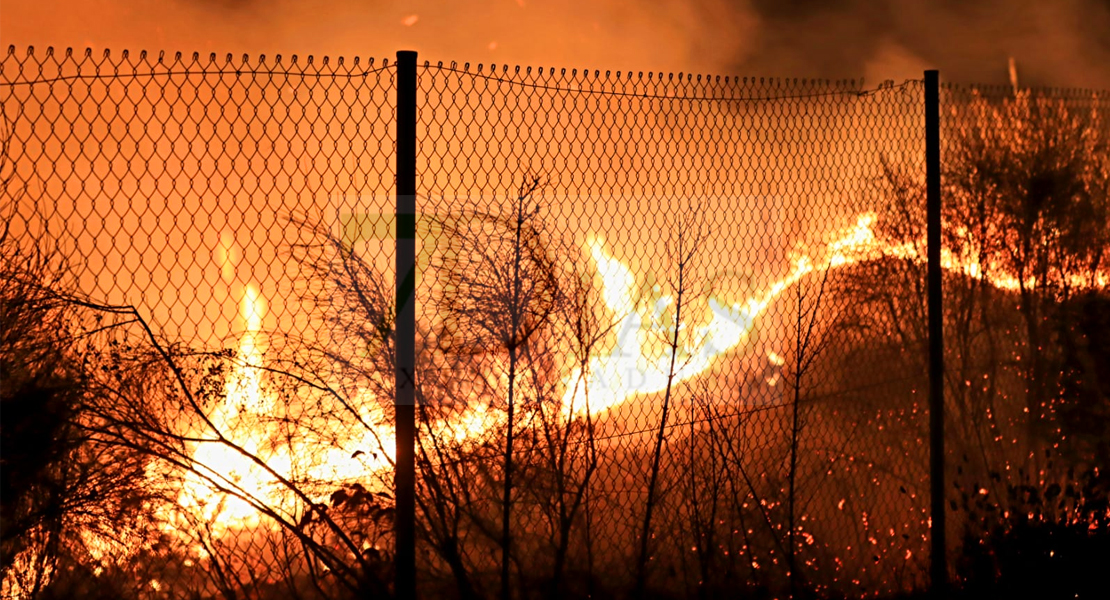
636	363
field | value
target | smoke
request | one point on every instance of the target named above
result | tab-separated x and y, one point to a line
664	35
1061	43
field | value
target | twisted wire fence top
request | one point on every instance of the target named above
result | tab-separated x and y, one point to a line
660	191
695	302
176	176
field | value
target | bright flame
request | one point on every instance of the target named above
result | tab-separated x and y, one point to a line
243	403
245	449
639	364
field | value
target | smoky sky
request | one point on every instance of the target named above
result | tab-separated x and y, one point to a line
1057	43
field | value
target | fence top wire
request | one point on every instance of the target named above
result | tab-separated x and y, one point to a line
675	86
69	65
642	84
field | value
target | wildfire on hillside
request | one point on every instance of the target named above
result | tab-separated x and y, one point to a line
635	364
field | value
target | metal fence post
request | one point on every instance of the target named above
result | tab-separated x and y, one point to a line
405	402
938	552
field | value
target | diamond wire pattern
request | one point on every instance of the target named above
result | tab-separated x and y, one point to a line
1025	191
740	177
207	192
243	206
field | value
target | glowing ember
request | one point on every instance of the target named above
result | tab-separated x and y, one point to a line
246	453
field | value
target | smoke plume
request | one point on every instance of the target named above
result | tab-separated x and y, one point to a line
1061	43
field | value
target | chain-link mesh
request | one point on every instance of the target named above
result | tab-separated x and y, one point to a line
656	265
671	329
1026	212
215	196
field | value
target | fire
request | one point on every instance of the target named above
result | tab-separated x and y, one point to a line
639	364
244	452
243	405
246	425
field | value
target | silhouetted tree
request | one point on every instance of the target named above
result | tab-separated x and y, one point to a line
70	503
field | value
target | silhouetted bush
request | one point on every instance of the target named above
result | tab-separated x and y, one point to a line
66	498
1043	540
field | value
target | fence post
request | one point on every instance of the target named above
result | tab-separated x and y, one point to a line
938	568
405	402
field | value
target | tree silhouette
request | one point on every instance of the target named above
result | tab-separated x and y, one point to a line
70	502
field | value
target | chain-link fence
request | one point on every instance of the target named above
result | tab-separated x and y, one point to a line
671	333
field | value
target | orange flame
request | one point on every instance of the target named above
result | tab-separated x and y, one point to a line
637	363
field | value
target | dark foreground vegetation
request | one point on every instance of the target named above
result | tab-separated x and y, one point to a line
814	486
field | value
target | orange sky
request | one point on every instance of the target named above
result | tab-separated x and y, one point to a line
665	35
1057	43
